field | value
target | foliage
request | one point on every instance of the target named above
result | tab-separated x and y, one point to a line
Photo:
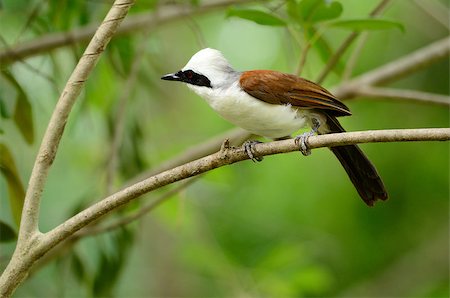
287	227
16	192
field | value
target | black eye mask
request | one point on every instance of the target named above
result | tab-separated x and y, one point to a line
193	78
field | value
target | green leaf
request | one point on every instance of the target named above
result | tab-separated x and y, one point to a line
23	117
7	233
78	268
327	12
23	111
256	16
314	11
306	9
15	188
308	12
121	52
4	113
291	9
112	263
366	24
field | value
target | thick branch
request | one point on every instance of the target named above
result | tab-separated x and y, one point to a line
143	21
227	156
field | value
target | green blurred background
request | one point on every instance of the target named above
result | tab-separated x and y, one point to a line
290	226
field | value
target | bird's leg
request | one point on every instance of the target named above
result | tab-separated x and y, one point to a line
301	140
249	149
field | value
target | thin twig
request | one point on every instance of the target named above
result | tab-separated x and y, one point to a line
346	44
436	10
31	68
302	60
351	63
31	18
409	63
305	51
399	68
199	36
399	94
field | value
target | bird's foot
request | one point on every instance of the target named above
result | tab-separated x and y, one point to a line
250	150
301	140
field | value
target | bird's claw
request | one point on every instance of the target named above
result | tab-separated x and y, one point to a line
250	150
301	140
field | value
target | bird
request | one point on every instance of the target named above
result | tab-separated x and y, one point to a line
275	105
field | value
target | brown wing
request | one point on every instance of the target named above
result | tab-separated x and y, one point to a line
280	88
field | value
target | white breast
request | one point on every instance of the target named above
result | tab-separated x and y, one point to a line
253	115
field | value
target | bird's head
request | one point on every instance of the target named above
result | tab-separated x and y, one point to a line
207	68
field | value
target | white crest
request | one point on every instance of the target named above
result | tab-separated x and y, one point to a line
212	64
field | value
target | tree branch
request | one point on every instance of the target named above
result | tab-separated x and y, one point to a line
397	68
226	156
402	66
436	10
409	95
352	60
29	233
55	129
144	210
142	21
236	136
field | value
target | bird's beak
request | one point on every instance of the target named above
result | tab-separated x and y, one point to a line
171	77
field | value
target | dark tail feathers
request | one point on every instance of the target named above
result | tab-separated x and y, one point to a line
361	171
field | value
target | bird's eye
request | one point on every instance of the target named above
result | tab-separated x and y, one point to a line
189	74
